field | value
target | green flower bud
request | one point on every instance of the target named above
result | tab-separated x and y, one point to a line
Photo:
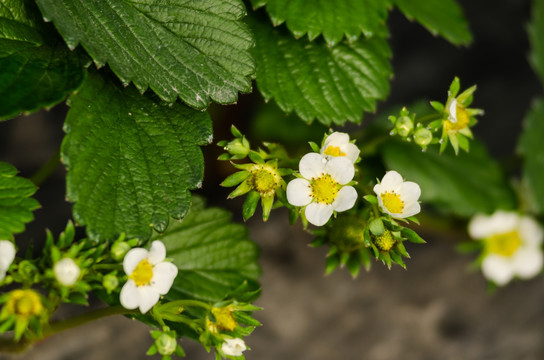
27	270
238	147
423	137
110	282
166	344
119	250
404	126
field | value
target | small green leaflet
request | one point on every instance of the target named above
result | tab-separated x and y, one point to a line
36	68
213	254
333	19
16	205
196	50
464	184
131	160
440	17
530	146
536	37
330	84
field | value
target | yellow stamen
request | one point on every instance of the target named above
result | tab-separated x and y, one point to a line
392	202
324	189
24	303
224	318
462	120
504	244
143	273
333	151
385	241
264	181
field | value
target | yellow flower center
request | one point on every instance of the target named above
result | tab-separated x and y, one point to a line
264	181
324	189
504	244
333	151
224	318
24	303
143	273
392	202
462	120
385	241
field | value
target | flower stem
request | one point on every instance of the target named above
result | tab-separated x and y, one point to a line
429	118
47	169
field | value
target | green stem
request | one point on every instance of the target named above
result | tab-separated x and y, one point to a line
47	169
12	346
429	118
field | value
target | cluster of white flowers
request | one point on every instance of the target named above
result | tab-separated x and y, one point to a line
7	254
323	186
149	277
511	245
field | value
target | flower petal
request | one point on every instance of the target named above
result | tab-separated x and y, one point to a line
391	180
410	210
299	192
483	226
527	262
157	252
129	296
7	254
318	214
497	268
452	110
345	199
133	258
164	275
341	169
530	231
336	139
311	165
148	298
351	151
409	192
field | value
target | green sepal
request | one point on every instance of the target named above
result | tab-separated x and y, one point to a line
371	199
385	258
365	258
366	237
454	87
397	259
266	203
21	324
314	146
224	157
412	236
435	125
438	106
354	265
376	227
242	189
463	142
235	132
331	264
256	158
320	241
402	250
250	205
413	219
235	179
344	257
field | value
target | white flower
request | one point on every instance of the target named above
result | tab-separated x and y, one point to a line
7	254
512	245
233	347
337	144
66	272
452	111
397	197
322	189
149	277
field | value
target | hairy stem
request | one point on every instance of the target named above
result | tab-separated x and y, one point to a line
47	169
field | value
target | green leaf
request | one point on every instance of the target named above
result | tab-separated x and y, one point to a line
16	205
36	68
464	184
440	17
213	254
330	84
530	146
333	19
536	38
195	50
131	160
